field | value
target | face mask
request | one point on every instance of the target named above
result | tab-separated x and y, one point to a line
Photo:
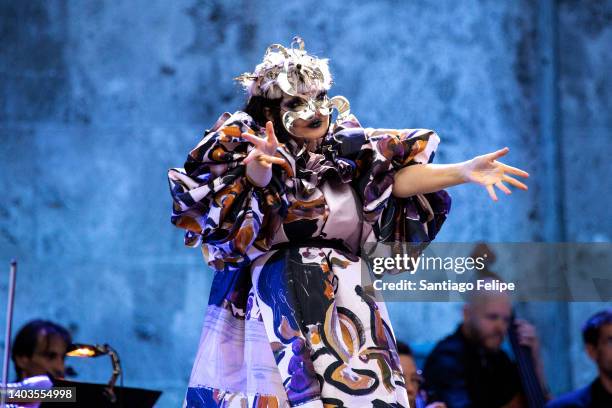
294	72
307	108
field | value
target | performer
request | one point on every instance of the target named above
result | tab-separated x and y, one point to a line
280	199
414	379
38	353
39	348
597	336
469	369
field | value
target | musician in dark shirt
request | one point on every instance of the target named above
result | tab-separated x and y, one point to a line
597	336
40	349
469	368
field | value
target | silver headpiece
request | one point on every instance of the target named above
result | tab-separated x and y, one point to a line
296	73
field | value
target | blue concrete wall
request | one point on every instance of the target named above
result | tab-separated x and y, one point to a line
100	98
585	129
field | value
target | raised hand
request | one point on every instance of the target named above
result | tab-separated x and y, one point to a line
487	171
264	148
527	335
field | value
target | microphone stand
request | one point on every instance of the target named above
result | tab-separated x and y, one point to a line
7	335
110	389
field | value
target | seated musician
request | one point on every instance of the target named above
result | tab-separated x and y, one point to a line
413	379
469	369
39	348
597	336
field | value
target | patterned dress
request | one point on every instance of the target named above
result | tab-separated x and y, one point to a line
288	322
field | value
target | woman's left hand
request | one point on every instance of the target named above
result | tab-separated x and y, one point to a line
487	171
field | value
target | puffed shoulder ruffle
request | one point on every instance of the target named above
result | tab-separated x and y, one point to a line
234	220
217	205
376	156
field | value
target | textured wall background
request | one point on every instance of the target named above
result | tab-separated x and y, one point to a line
100	98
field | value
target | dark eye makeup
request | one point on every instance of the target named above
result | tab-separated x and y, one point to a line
295	102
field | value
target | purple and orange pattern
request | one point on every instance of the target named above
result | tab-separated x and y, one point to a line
292	325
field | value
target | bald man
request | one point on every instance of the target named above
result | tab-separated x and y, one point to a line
469	369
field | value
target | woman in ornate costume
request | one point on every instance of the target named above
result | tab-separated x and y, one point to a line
280	199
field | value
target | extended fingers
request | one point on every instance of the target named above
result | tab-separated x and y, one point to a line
491	192
256	140
271	136
497	154
513	170
514	182
503	187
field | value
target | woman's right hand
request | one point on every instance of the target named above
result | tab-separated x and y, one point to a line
489	172
259	160
265	148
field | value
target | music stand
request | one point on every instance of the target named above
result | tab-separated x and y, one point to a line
90	395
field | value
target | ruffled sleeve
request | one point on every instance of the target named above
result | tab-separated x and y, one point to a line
377	155
221	210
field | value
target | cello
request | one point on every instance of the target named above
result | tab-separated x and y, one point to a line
533	395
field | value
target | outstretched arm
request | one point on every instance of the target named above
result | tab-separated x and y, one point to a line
484	170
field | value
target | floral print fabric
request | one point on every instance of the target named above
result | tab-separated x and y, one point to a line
288	322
